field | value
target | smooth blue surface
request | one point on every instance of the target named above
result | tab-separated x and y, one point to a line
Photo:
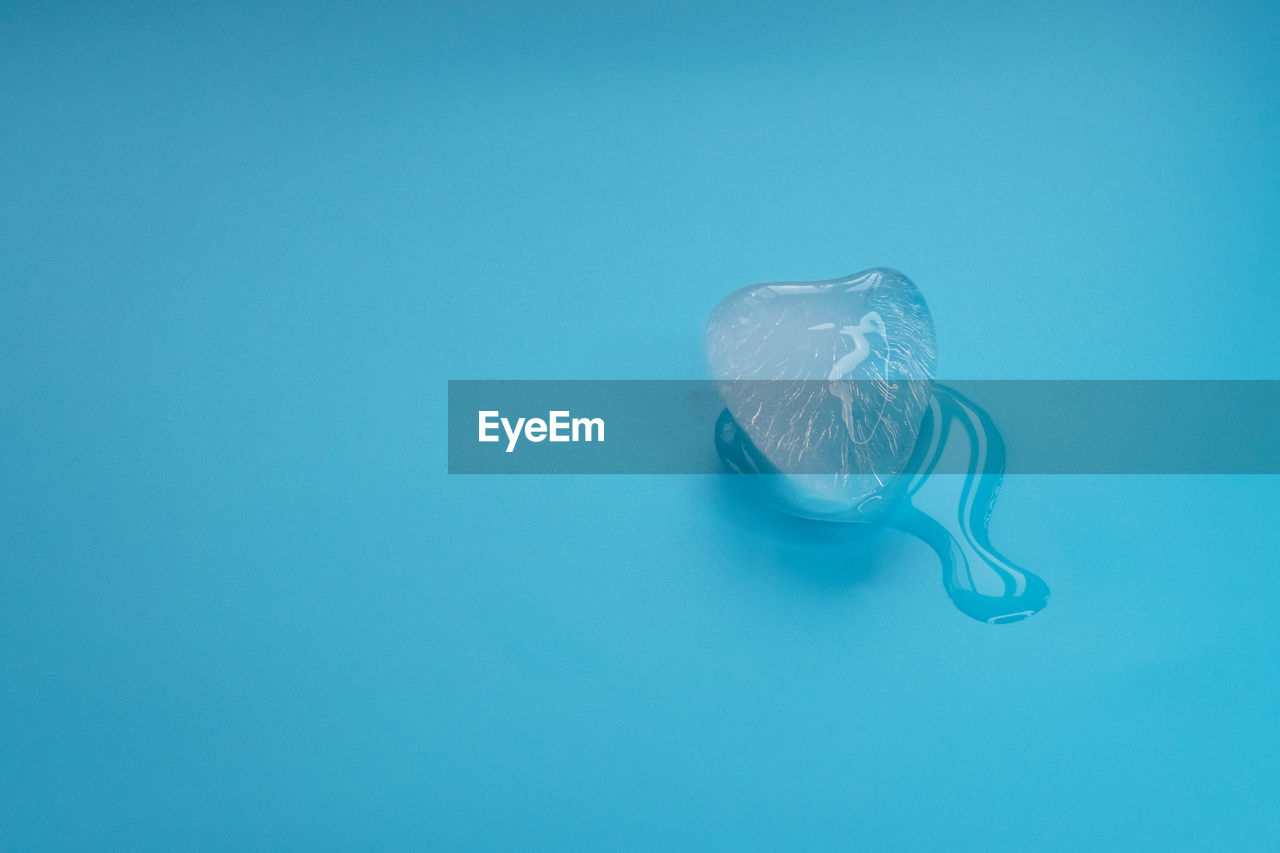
243	248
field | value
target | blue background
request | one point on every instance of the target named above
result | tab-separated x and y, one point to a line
243	247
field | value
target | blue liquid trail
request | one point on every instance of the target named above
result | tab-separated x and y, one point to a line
950	513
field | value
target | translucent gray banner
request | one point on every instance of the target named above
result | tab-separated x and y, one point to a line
817	426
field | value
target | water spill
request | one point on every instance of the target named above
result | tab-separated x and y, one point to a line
950	513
